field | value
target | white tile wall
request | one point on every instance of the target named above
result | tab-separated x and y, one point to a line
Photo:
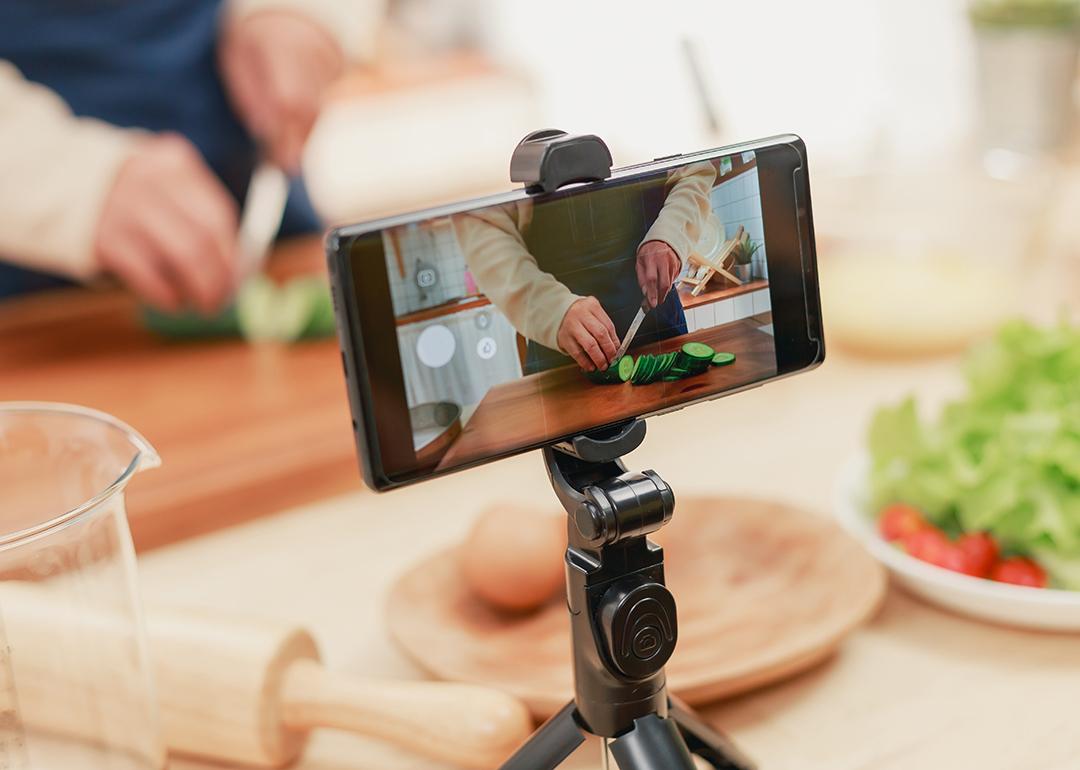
436	244
738	202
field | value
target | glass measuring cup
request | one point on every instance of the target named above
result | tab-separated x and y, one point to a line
76	689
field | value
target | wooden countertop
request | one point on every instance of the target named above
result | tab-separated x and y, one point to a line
918	688
242	430
558	402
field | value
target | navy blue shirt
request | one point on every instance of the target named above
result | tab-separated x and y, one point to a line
149	64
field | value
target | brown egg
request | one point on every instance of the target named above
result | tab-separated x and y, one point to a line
513	557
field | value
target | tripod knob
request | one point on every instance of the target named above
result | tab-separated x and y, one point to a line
638	627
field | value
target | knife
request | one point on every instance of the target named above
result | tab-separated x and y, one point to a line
264	207
629	337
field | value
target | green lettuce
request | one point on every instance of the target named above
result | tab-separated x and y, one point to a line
1005	458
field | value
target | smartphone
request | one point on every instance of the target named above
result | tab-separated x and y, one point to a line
486	328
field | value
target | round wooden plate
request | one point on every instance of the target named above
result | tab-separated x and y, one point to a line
764	590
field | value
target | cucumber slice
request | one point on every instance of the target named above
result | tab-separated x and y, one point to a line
625	368
698	351
188	325
256	309
723	359
301	308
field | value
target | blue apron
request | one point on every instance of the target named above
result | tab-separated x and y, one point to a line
149	64
589	243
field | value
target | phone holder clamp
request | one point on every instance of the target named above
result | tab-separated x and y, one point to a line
623	620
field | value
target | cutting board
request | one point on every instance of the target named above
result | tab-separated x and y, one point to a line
764	591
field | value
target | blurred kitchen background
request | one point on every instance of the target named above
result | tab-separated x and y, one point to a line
941	133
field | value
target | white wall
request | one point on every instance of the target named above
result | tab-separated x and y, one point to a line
738	202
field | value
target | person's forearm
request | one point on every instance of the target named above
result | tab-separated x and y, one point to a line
533	300
685	210
353	24
55	174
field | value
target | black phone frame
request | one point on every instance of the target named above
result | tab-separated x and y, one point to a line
373	366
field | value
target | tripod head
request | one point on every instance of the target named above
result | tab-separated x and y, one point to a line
623	617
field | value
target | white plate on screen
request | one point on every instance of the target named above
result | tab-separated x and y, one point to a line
1044	609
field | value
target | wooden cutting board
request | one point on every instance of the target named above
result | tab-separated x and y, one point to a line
764	591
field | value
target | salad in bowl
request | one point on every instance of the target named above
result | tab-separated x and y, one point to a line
978	508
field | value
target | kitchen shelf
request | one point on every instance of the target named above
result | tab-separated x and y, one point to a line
726	291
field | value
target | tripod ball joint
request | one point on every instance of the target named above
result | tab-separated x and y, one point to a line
638	626
630	505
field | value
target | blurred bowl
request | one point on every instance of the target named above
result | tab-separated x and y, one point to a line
1037	608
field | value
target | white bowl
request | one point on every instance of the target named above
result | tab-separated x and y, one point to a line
1040	608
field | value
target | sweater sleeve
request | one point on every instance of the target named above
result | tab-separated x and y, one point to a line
685	210
534	301
354	24
56	171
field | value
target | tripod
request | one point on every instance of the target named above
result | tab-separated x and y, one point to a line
622	618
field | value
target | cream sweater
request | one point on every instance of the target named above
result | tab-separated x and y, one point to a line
56	170
533	300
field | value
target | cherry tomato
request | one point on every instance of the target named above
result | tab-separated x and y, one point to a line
929	544
898	521
1019	571
981	551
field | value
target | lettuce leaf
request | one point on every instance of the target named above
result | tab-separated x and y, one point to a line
1005	458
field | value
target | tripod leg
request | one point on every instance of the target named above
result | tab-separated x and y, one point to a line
709	744
550	745
653	744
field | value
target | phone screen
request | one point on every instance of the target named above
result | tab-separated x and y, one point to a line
517	323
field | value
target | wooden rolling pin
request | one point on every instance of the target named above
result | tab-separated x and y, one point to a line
240	691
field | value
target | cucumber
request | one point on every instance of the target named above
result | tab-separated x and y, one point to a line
698	351
301	308
616	374
723	359
189	325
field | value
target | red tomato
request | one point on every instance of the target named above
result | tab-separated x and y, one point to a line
981	551
1019	571
898	521
928	544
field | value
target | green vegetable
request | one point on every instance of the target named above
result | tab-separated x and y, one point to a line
1045	14
616	374
299	309
1005	458
698	351
187	324
723	359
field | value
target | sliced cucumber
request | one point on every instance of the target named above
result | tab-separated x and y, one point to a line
723	359
625	368
190	325
698	351
300	308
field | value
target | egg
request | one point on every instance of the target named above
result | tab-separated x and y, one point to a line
513	556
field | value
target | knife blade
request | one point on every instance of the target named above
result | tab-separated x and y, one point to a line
629	336
264	207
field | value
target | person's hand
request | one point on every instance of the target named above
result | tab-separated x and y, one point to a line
587	335
657	268
277	65
168	228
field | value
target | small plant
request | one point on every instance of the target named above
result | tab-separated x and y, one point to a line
1026	13
745	250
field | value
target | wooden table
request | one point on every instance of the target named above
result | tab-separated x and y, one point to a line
242	430
918	688
562	401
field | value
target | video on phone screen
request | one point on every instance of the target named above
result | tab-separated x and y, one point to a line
510	318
